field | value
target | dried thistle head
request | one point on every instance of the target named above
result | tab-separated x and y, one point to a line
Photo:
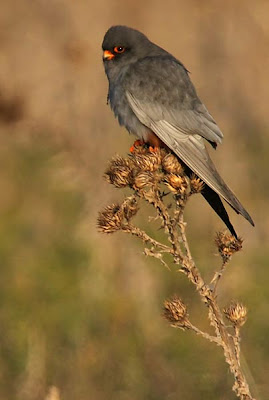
143	179
175	311
110	219
236	313
119	172
171	164
176	184
196	184
129	207
150	161
227	245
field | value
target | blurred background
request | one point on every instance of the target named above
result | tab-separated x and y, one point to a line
80	312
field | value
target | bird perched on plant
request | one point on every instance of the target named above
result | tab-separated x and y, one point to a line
151	94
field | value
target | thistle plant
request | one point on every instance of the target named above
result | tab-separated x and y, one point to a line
157	177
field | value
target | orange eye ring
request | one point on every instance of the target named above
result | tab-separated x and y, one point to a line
119	49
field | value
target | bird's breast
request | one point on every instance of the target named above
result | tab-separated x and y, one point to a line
123	112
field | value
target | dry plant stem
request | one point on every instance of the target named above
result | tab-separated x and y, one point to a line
146	184
152	253
205	335
217	276
170	226
236	339
231	354
134	230
231	351
182	225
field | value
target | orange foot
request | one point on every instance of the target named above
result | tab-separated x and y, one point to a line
137	143
153	149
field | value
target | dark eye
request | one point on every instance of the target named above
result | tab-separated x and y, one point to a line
119	49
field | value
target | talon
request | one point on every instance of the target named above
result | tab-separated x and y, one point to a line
153	149
137	143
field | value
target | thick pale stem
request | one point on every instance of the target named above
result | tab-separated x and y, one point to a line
236	339
231	351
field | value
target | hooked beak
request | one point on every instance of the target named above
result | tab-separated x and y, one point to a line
108	55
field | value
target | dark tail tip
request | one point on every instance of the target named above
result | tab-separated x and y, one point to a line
215	202
248	217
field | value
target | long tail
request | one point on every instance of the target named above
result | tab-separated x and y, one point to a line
215	202
227	194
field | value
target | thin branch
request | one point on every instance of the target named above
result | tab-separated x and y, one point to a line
236	339
158	255
231	355
134	230
182	226
217	276
205	335
168	223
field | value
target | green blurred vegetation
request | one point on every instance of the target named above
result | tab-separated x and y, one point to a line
82	311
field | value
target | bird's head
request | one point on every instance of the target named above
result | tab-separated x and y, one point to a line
123	46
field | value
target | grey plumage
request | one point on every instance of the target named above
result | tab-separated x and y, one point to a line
150	91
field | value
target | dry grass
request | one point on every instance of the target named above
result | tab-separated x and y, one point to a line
59	276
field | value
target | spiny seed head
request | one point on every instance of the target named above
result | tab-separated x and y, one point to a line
143	179
236	313
148	162
177	184
171	164
227	244
110	219
197	184
129	207
119	172
175	311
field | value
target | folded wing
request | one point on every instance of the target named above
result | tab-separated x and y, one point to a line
183	133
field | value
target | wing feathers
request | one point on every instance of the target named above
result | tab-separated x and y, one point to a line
190	148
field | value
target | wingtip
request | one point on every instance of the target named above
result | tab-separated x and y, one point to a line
248	217
252	222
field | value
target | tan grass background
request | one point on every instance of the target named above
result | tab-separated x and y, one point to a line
80	311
